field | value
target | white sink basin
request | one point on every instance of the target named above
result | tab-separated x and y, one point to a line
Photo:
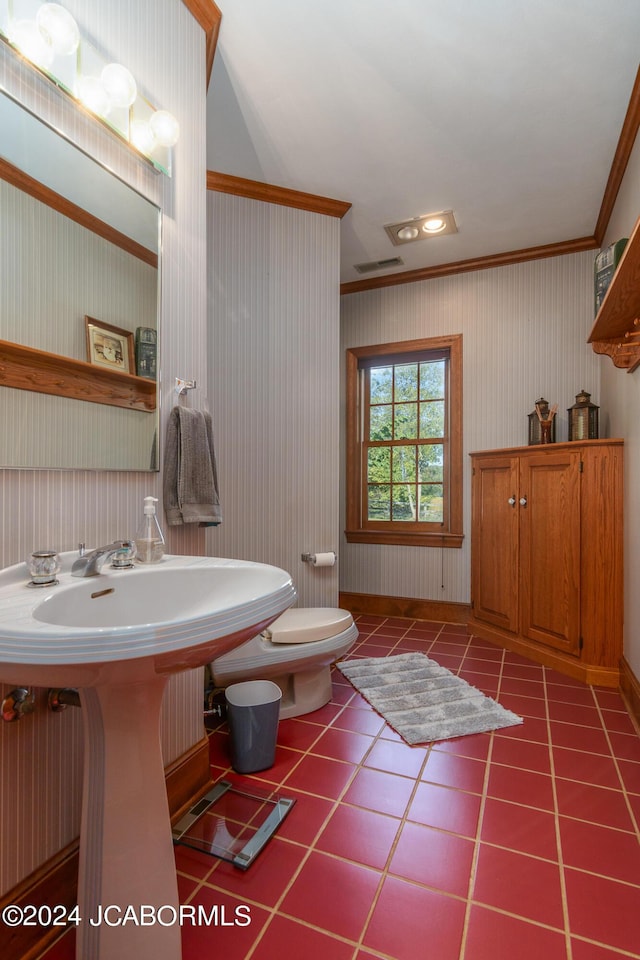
157	596
179	613
117	637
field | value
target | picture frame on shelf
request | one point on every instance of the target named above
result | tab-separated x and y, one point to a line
146	350
109	346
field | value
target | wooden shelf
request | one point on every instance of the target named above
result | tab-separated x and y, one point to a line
616	330
25	368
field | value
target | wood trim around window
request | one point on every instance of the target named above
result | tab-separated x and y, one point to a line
446	537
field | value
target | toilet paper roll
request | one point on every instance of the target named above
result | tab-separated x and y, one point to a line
323	559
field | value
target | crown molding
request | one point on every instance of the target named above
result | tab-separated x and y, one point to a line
256	190
625	145
208	16
476	263
621	157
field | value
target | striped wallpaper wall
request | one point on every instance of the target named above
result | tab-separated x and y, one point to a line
524	333
274	385
40	758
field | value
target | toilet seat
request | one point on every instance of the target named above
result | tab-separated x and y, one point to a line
307	625
296	652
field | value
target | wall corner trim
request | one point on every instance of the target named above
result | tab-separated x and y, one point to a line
208	15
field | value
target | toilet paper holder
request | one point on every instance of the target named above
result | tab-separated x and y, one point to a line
320	559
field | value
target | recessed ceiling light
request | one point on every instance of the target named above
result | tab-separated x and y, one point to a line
419	228
408	233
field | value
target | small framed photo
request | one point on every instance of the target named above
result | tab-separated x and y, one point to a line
109	346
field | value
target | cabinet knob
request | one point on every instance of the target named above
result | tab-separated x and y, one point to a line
511	501
523	501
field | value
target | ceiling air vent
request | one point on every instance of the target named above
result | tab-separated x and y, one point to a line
379	264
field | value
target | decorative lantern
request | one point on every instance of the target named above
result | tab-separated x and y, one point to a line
583	418
535	423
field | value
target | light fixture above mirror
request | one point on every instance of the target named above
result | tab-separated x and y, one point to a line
48	37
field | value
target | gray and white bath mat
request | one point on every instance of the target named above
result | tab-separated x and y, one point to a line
423	701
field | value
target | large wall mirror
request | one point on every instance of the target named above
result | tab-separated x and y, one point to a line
75	243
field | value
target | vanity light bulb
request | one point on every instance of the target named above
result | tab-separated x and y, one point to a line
119	84
58	28
24	34
93	95
165	128
142	136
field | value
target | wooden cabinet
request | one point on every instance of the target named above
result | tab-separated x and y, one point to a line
546	545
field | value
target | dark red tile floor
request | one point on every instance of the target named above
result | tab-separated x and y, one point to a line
519	844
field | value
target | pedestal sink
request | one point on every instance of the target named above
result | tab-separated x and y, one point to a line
117	637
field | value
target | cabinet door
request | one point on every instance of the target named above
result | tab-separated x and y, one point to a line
494	541
550	550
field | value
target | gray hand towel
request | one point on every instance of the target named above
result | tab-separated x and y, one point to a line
190	473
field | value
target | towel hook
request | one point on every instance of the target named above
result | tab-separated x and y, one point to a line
183	385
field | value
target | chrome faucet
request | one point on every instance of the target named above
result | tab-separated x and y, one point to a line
121	552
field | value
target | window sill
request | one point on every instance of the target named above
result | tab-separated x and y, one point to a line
406	539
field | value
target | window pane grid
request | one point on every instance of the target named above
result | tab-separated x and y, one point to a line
404	481
407	401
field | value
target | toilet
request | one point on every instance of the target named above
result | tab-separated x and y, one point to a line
296	652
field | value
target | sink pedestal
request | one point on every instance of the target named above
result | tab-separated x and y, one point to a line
126	850
117	638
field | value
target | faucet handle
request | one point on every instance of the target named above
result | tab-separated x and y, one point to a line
17	704
43	566
125	555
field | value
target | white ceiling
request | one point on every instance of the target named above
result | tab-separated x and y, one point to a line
508	112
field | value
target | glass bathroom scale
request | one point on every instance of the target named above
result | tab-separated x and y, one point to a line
232	823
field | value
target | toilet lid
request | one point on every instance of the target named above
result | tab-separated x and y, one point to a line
307	624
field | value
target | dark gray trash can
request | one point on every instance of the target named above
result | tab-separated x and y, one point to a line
253	710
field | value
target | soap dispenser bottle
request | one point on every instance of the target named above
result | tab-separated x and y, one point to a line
149	539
